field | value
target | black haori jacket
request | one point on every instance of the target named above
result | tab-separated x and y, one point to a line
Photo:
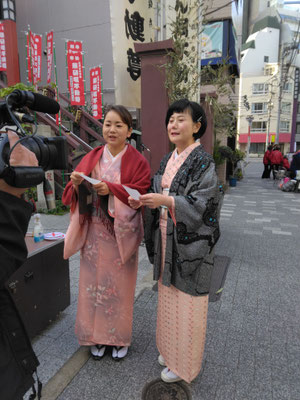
17	359
189	247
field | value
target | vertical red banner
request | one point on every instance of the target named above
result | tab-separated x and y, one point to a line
96	92
37	58
29	56
34	57
3	63
75	73
49	55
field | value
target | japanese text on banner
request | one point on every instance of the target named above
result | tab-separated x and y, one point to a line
34	57
96	92
49	55
75	73
3	63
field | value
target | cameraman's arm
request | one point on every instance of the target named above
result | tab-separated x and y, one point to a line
15	214
4	187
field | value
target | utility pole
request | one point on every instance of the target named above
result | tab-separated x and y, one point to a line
285	50
270	106
249	119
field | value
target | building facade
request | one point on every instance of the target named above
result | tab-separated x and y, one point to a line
268	108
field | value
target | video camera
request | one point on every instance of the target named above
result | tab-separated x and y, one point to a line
51	152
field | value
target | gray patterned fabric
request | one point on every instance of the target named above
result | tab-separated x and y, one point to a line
190	245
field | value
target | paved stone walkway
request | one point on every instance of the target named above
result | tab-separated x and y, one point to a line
253	338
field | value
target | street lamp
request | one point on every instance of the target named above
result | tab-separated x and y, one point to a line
249	119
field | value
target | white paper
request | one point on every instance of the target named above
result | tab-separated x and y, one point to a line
91	180
135	194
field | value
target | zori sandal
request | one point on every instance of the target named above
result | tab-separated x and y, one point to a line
98	351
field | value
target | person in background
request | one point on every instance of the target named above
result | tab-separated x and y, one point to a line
108	232
181	230
267	163
295	164
276	159
285	163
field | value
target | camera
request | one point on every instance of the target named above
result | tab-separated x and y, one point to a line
51	152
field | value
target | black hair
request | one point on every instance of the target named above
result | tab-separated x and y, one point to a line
195	110
122	112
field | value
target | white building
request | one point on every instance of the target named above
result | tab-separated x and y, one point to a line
269	84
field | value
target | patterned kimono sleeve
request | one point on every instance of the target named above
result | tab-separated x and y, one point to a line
197	213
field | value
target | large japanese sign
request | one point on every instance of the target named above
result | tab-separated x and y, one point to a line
3	63
212	40
75	73
34	57
49	55
131	21
96	91
183	21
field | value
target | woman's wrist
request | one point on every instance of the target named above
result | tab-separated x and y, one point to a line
167	201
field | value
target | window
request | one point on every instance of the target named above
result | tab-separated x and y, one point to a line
285	107
260	88
259	126
284	126
287	87
8	9
270	70
298	108
258	108
266	58
257	148
298	127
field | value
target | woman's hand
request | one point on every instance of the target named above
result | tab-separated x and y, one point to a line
101	188
76	178
135	204
155	200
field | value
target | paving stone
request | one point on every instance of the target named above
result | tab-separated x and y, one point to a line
253	343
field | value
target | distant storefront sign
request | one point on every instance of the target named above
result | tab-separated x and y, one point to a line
212	41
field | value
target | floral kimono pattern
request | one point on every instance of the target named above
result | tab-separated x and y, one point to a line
108	266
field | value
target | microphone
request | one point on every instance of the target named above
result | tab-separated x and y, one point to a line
34	101
24	117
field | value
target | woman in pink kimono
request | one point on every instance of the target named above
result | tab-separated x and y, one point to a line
108	233
181	231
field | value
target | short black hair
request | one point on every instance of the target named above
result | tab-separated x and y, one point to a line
195	110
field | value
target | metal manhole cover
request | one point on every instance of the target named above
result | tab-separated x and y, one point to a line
159	390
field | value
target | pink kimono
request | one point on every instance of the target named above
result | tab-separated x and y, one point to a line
108	263
181	318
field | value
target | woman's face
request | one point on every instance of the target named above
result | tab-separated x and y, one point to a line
181	128
115	132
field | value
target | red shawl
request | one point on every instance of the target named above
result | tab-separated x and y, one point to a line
135	173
